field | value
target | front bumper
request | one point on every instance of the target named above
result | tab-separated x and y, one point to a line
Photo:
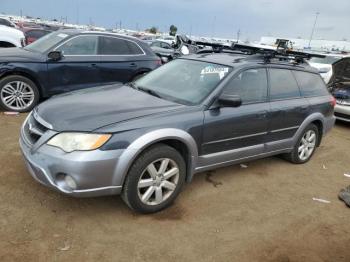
94	172
342	112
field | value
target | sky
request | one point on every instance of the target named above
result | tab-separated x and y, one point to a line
218	18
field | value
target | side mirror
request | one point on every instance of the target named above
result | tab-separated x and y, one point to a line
55	55
229	100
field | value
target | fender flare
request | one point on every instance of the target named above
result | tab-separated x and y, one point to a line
136	148
311	118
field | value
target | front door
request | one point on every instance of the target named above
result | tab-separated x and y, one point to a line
79	66
235	133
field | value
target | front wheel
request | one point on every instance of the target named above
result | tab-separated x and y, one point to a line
154	180
18	93
306	146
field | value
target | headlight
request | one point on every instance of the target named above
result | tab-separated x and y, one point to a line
70	142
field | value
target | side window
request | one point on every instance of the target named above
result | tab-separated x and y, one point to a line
283	84
134	48
310	84
165	45
113	46
156	44
5	22
81	45
250	85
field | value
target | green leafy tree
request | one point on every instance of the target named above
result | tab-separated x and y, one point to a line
172	30
153	30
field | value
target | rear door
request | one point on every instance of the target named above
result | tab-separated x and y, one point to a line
288	108
120	59
78	67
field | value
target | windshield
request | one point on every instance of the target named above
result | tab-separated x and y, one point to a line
327	60
46	42
183	81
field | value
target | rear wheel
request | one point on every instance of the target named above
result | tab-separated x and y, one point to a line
306	146
154	180
18	93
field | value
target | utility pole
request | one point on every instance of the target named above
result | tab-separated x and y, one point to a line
313	29
213	27
77	12
238	34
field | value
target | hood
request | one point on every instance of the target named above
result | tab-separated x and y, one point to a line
341	71
160	50
15	54
93	108
340	81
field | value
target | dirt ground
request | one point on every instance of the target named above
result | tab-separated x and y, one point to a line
264	212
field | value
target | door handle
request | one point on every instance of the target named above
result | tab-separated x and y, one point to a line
94	65
133	65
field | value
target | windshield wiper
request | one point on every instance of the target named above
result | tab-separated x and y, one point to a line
149	91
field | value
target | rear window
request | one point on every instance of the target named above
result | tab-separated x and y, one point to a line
310	84
117	46
283	85
36	33
134	48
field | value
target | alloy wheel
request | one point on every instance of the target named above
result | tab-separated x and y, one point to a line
158	181
307	145
17	95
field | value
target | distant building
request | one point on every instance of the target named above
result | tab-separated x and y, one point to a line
316	44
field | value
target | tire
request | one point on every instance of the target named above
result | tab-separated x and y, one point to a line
18	93
142	191
296	156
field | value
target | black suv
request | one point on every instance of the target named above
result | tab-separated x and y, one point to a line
69	60
145	139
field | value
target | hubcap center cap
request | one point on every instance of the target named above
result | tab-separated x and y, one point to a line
158	181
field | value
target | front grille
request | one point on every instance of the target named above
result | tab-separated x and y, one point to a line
342	115
33	130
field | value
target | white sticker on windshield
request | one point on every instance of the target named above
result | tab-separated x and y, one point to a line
62	35
222	71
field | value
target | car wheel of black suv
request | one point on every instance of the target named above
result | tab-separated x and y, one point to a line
305	147
154	179
18	93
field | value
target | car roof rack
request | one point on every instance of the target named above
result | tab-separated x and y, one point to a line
281	51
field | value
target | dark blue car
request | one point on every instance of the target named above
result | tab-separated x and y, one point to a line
69	60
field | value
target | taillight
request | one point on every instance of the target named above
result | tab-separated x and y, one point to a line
158	62
333	101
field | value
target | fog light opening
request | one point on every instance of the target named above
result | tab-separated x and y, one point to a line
70	182
65	182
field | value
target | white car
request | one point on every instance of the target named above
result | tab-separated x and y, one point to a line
11	37
324	65
168	39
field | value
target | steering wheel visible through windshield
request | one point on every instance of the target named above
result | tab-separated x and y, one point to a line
184	81
46	42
